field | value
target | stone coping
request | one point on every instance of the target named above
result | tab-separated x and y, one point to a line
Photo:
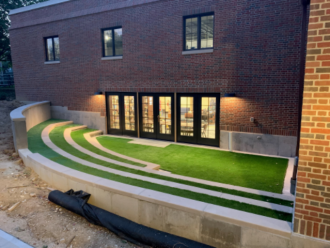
58	176
68	138
36	6
18	114
287	197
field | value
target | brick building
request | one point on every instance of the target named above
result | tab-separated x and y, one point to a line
312	209
164	68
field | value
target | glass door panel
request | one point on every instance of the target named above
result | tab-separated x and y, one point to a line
198	118
165	115
208	114
114	112
186	116
121	112
156	116
148	114
129	106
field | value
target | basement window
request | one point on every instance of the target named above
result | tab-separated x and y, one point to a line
52	46
198	32
112	42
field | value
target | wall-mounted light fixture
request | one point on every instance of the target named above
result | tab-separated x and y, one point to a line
229	95
98	93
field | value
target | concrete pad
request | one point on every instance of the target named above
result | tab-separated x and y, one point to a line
148	142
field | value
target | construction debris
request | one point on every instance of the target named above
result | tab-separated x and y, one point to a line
13	207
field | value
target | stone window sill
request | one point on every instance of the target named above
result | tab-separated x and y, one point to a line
197	51
112	58
51	62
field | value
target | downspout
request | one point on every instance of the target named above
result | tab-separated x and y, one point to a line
304	35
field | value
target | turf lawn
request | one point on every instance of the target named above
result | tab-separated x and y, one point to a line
250	171
37	145
78	137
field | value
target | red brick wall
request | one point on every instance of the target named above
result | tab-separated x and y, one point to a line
256	55
312	212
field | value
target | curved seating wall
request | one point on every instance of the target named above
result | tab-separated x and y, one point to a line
26	117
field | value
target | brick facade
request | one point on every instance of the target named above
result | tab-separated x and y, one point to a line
312	210
256	55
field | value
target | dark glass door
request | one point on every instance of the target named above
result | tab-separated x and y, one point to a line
121	112
156	116
198	118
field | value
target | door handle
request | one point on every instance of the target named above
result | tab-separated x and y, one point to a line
158	118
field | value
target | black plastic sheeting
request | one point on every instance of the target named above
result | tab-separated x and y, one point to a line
135	233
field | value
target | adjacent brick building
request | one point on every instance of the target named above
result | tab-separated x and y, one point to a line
256	54
312	212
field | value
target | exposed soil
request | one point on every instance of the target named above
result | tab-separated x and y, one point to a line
35	220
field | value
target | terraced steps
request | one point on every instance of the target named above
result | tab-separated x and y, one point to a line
172	184
68	130
80	138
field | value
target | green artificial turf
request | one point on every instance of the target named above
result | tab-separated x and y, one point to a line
250	171
78	137
36	145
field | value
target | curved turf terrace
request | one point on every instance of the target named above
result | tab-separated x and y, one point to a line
37	145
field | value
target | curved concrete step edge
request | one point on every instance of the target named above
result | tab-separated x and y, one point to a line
130	202
95	133
92	140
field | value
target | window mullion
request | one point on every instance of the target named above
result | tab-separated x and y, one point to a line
53	49
113	42
199	32
46	49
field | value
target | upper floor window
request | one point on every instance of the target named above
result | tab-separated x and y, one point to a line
52	45
112	42
198	31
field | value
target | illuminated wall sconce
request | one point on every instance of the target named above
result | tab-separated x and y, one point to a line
229	95
98	93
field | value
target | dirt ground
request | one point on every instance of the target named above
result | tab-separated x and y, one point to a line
35	220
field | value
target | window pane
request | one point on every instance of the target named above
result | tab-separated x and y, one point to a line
129	113
114	112
118	41
107	36
208	109
50	55
57	48
165	115
206	31
187	116
191	33
148	114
